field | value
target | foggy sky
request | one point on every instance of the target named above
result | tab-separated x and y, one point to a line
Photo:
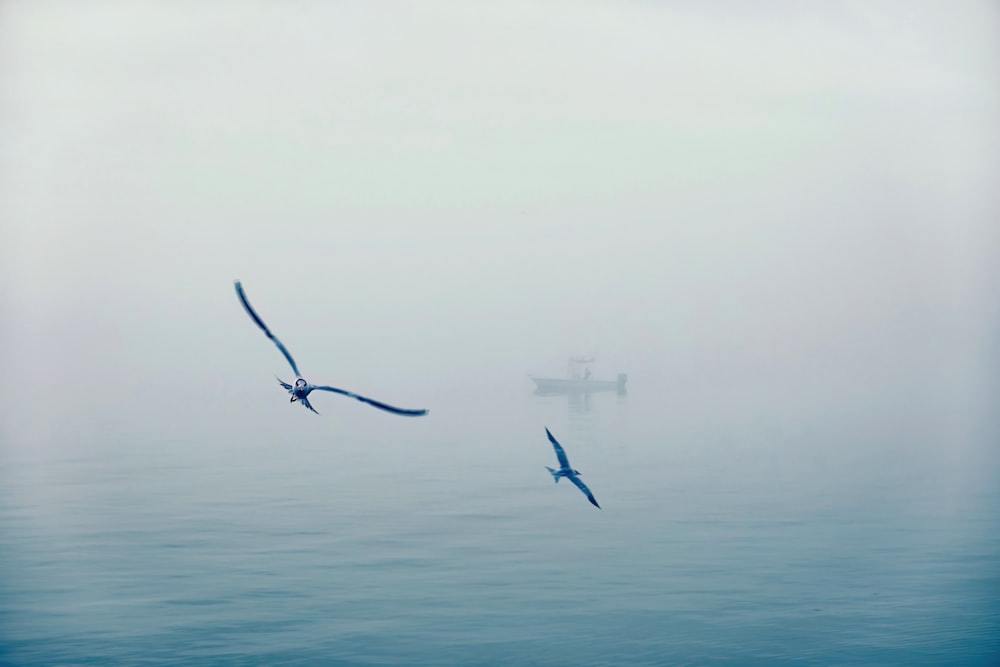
425	200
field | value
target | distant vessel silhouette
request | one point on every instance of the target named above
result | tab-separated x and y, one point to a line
578	380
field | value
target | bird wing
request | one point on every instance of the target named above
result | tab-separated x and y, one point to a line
583	487
371	401
284	384
560	452
260	323
305	401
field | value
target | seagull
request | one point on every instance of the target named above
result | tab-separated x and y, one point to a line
301	389
566	471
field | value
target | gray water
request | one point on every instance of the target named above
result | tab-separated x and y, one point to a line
723	540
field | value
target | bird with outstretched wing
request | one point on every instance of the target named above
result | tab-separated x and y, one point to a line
301	389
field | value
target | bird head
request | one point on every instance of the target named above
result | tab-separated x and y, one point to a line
300	383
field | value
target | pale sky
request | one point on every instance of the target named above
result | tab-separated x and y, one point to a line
447	193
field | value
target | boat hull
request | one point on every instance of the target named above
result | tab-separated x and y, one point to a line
568	386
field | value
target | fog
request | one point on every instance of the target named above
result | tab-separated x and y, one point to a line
780	221
791	209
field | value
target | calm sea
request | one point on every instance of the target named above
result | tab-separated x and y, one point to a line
727	537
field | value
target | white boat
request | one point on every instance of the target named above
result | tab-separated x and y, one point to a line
578	380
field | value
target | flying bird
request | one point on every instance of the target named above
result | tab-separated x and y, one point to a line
565	470
301	389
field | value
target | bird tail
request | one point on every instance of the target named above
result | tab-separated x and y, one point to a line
554	473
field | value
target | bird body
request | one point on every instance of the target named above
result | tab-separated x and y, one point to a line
565	470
